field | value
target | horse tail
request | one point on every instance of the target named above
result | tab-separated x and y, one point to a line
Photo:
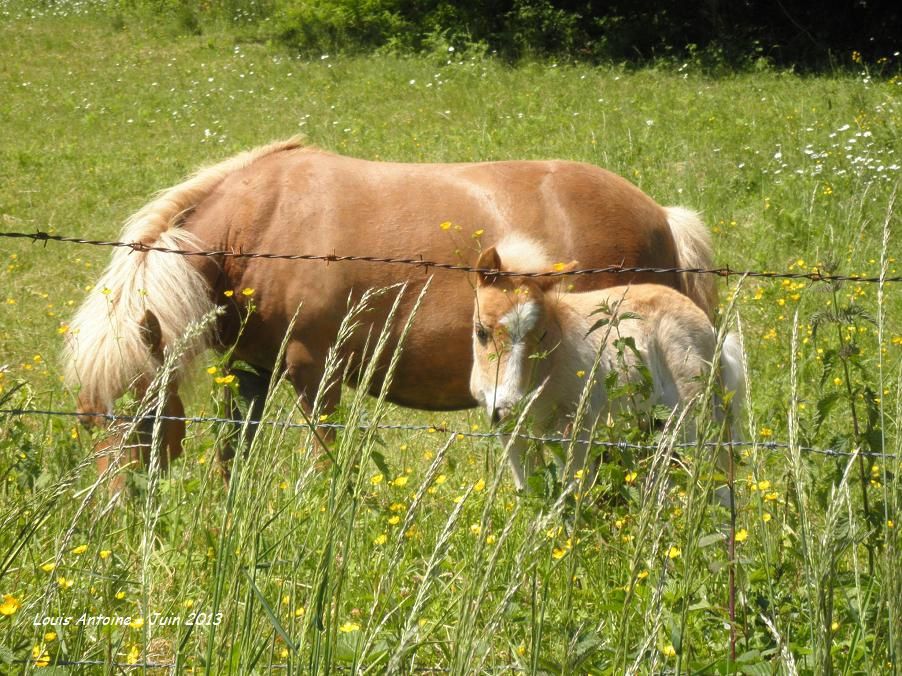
694	250
732	374
106	352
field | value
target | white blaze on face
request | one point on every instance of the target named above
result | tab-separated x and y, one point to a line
504	380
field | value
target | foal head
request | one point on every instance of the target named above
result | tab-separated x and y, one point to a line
509	324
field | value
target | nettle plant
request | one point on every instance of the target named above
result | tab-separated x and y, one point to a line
628	381
848	386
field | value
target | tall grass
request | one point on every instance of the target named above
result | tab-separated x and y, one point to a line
407	550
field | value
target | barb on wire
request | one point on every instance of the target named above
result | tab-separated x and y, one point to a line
420	262
623	445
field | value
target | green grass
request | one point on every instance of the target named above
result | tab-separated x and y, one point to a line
307	563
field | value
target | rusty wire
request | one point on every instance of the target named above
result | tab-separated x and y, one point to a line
420	262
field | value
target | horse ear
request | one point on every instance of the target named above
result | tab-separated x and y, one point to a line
488	260
546	283
152	334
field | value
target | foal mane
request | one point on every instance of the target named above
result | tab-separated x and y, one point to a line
520	253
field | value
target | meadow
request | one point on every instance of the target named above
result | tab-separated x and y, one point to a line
411	551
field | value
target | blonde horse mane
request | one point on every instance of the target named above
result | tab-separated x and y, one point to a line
105	352
168	207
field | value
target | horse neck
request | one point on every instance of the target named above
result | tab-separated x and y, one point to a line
569	321
570	354
563	330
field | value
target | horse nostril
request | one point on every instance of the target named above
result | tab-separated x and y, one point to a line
496	416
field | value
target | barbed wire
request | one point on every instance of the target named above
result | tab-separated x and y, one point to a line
621	445
38	662
171	665
420	262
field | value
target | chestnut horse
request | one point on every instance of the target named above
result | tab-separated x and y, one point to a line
289	198
529	332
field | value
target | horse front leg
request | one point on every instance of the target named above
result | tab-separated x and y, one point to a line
252	390
519	460
305	371
118	449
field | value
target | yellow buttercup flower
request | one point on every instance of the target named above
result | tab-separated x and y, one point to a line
741	535
40	656
349	627
81	549
10	605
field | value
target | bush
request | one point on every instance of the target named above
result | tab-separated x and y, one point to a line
634	31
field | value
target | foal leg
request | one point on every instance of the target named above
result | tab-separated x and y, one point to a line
522	460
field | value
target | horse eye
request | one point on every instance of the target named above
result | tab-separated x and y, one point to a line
482	333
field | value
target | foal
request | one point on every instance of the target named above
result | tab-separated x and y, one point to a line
527	331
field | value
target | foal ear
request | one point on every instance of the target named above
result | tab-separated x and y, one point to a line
488	260
546	283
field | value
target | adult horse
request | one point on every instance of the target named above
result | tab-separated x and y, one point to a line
290	198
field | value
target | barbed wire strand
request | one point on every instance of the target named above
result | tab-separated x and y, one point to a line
420	262
171	665
623	445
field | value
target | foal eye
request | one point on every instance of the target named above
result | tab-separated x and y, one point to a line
482	333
